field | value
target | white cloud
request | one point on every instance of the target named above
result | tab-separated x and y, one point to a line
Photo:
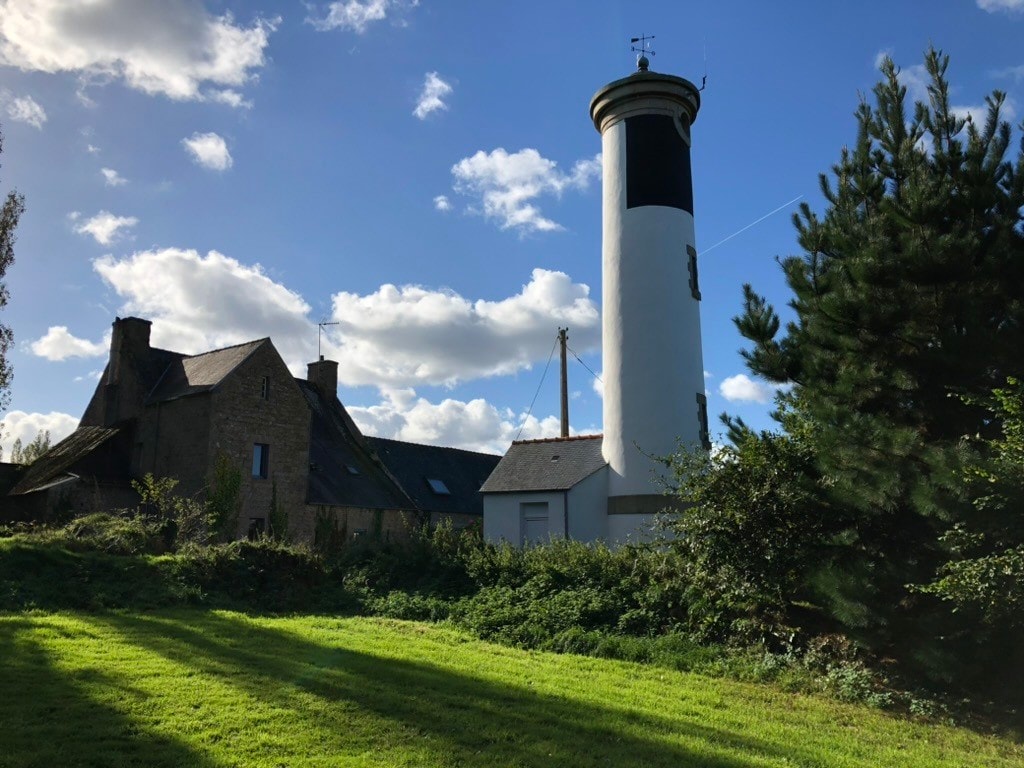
432	96
105	227
198	303
59	344
170	47
357	15
442	203
230	97
208	150
742	388
112	178
507	184
410	335
992	6
25	109
598	384
1017	73
92	149
476	425
391	338
19	424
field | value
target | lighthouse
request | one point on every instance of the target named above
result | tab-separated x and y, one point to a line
654	397
594	487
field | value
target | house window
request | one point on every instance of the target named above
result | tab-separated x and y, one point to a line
691	253
702	420
257	527
438	486
260	459
265	388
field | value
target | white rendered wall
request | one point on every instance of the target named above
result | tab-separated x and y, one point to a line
653	364
588	501
630	528
503	521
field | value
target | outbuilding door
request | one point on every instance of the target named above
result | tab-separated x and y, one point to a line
533	517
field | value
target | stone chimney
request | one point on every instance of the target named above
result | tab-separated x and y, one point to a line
323	375
129	341
123	394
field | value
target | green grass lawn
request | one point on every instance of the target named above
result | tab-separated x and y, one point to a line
199	688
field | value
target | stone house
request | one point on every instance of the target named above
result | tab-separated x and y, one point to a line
290	440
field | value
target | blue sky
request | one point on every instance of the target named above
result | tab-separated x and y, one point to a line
425	174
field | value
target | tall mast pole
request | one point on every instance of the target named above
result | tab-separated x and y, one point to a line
562	337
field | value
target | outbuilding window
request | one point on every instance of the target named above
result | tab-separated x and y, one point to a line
265	388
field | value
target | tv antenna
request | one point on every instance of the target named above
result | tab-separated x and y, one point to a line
642	50
320	335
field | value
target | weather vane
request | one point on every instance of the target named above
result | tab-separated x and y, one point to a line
642	50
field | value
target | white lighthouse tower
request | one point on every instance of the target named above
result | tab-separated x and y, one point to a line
653	366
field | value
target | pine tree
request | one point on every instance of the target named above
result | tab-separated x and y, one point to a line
909	304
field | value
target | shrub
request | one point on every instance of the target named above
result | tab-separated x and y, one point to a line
115	534
748	536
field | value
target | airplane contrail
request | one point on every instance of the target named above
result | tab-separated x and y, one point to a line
740	231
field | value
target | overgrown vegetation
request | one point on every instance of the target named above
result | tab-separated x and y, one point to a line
628	604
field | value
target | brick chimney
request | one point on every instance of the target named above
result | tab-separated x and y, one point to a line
323	374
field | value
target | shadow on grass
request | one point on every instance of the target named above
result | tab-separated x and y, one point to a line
447	717
53	717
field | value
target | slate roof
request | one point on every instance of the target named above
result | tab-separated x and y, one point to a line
200	373
553	464
50	467
462	472
149	369
336	445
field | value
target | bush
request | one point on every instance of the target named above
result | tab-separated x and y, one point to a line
409	606
749	536
115	534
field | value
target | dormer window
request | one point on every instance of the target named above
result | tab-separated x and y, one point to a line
438	486
265	388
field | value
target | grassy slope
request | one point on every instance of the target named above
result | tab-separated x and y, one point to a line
213	688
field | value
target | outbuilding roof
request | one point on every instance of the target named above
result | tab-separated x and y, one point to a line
553	464
52	464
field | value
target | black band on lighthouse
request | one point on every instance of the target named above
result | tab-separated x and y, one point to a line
657	164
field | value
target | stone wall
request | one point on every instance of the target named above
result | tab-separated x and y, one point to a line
172	440
240	418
